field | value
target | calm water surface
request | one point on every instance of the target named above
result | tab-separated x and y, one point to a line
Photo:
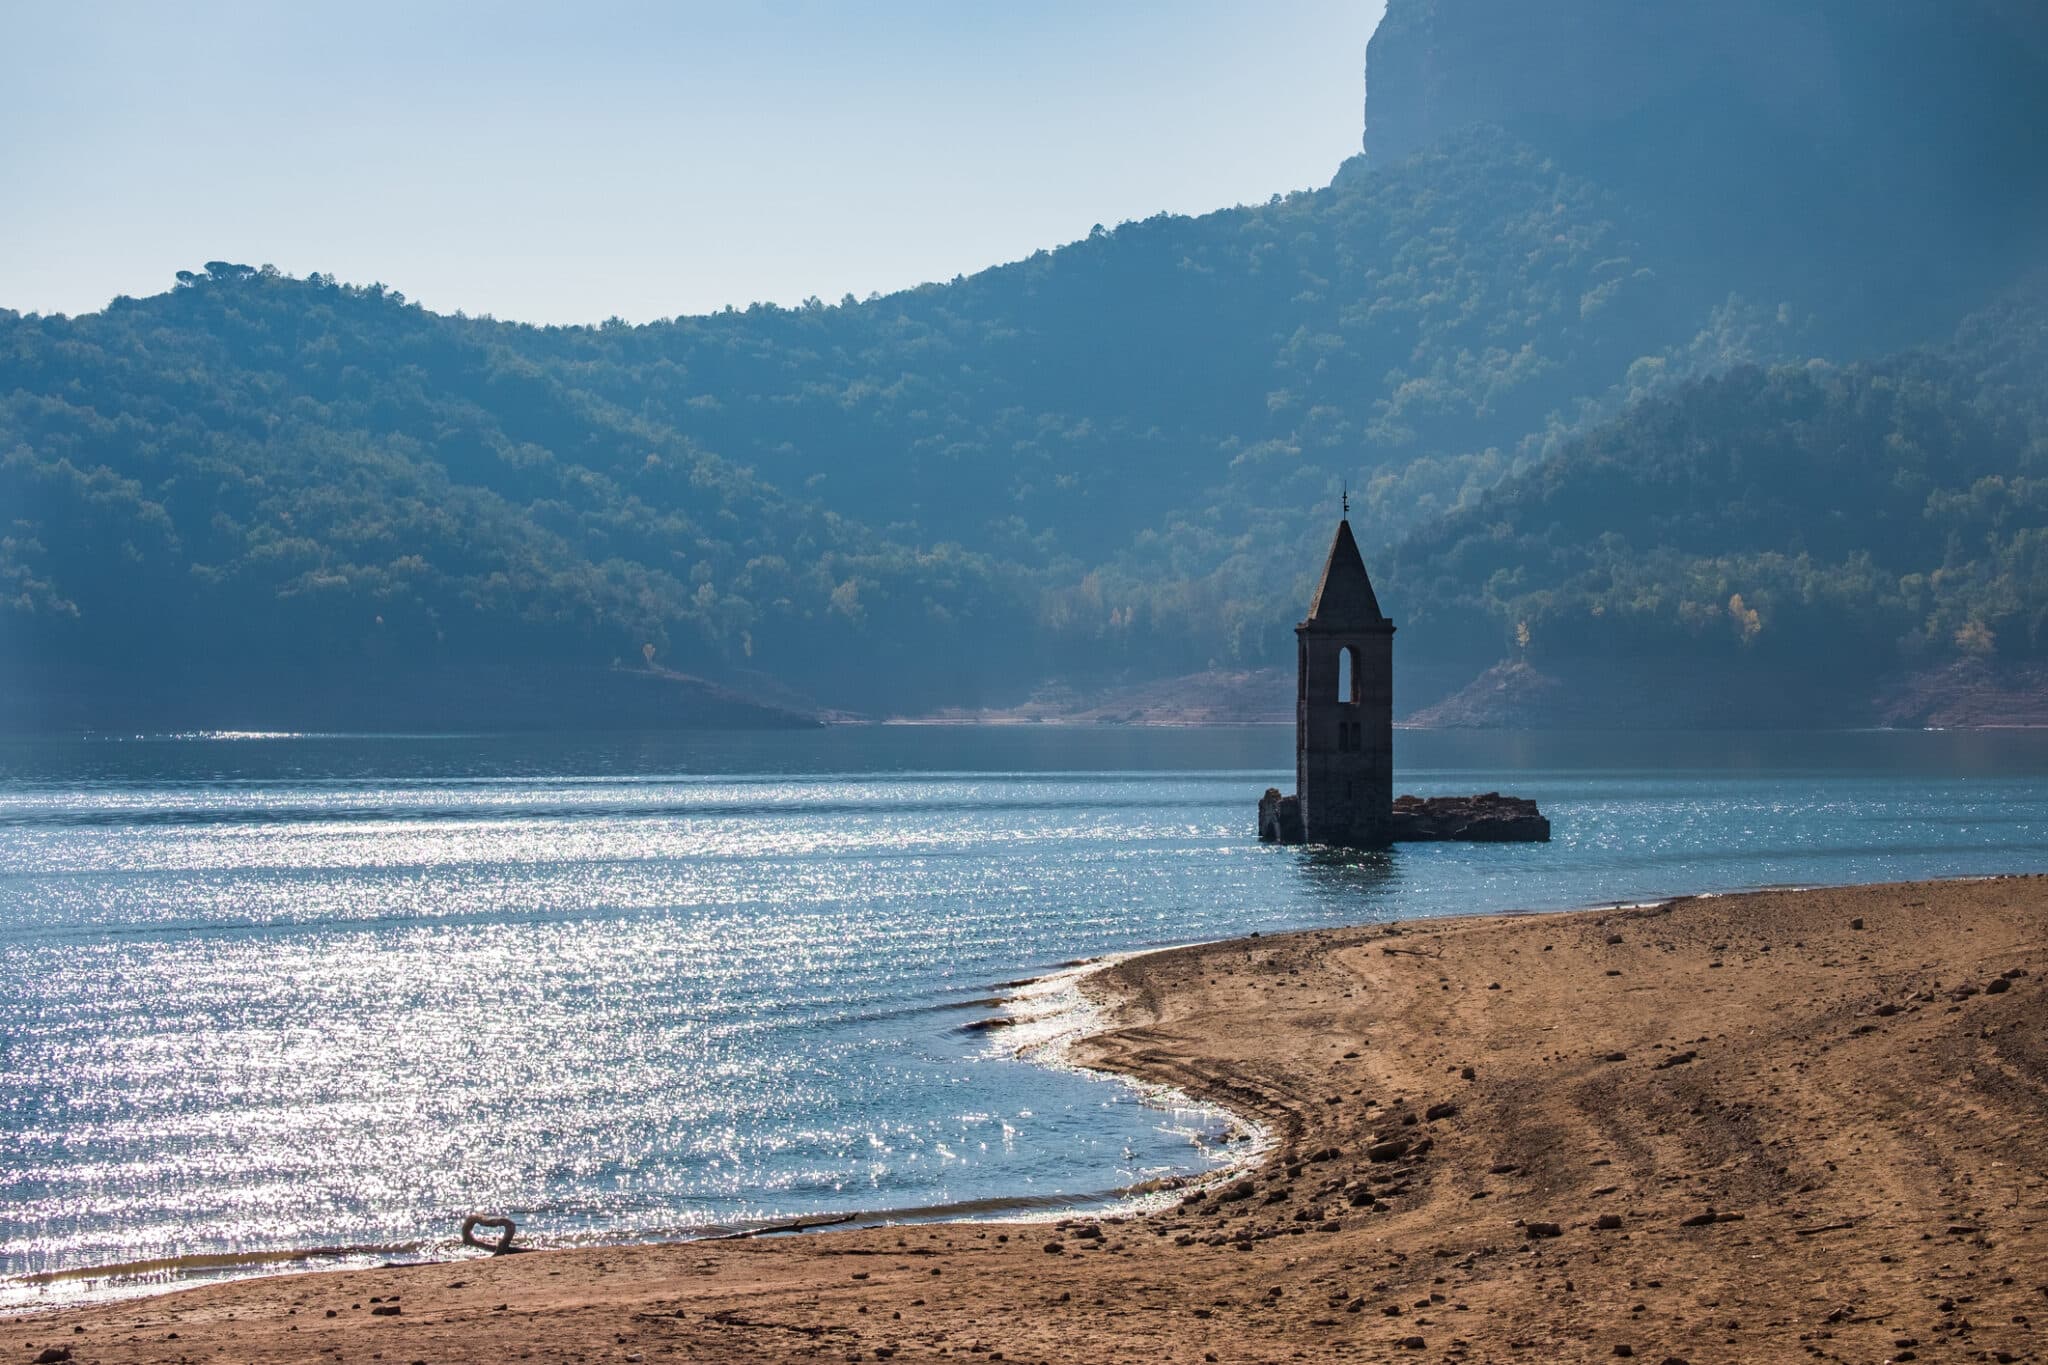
269	994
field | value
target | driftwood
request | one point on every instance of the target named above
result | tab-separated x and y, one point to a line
800	1225
503	1246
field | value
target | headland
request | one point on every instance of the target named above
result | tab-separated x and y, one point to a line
1790	1124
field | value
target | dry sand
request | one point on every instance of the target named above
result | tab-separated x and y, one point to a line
1861	1109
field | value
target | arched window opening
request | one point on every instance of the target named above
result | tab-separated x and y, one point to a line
1347	674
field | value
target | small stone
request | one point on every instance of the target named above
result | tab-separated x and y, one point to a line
1613	939
1678	1059
1412	1343
1055	1248
1607	1222
1467	1073
1855	924
1997	986
1534	1230
52	1354
1708	1218
1622	1348
1440	1111
385	1310
1393	1149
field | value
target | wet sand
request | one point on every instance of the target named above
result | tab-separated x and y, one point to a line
1735	1128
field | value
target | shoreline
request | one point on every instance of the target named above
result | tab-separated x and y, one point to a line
1046	1036
1832	1072
1074	1025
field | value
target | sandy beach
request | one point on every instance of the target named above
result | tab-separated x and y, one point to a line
1765	1127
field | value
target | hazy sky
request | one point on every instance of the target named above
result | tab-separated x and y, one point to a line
569	161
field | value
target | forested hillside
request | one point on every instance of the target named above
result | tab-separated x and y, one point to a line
1787	525
1573	431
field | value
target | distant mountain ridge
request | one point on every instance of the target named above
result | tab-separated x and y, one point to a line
1592	247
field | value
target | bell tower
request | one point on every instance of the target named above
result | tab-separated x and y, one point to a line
1344	706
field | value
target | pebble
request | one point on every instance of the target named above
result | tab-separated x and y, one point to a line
1542	1230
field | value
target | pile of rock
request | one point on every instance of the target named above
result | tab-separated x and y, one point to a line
1279	818
1489	818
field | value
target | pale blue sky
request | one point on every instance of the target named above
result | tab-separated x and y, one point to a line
567	162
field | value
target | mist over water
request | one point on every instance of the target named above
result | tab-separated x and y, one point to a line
270	994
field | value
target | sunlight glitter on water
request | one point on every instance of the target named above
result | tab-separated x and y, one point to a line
345	999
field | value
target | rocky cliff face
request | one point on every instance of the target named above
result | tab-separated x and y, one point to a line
1574	68
1867	136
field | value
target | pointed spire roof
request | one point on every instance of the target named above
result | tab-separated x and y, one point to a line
1344	596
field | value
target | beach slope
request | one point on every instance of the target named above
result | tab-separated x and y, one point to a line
1766	1127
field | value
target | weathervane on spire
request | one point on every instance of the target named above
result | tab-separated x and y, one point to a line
1347	499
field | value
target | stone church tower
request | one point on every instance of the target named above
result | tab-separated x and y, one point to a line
1344	707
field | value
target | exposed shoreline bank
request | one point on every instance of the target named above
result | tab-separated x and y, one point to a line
1493	1134
1039	1021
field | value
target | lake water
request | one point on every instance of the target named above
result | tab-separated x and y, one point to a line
261	995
